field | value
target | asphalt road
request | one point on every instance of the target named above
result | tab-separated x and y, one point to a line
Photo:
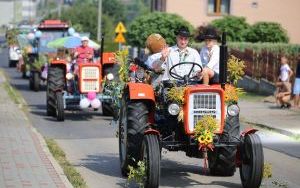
90	144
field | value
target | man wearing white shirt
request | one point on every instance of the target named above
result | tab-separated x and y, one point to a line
170	56
210	56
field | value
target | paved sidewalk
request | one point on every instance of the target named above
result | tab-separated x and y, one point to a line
268	115
25	160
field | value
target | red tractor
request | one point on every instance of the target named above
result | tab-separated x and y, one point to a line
148	122
47	31
67	90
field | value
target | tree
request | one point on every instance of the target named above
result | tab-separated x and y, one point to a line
235	27
267	32
162	23
137	8
83	17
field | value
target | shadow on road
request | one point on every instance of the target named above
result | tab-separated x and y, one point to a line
76	115
107	164
176	174
25	87
173	174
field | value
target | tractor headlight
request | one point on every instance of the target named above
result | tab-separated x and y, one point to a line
69	76
110	76
140	74
174	109
233	110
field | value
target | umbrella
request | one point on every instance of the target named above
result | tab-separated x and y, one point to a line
70	42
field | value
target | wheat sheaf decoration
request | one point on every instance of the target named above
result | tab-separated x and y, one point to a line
176	94
232	94
122	60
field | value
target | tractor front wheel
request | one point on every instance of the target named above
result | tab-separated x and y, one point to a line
251	169
151	157
60	115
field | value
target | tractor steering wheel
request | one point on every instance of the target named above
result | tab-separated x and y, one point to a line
185	78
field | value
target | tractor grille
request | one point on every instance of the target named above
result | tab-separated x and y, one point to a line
90	79
201	104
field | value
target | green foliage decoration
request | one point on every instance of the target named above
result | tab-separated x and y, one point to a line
235	69
137	174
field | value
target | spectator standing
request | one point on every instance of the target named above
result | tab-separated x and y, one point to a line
296	90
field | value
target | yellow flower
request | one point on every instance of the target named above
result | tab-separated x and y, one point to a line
201	139
207	132
208	139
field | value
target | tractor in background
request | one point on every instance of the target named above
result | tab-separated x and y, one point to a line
85	89
36	64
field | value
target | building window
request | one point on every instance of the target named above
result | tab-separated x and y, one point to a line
218	7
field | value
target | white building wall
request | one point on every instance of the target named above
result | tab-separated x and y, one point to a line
6	12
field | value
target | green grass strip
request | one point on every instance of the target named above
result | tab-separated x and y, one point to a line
73	176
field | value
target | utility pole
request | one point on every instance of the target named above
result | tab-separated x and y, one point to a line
99	20
59	8
15	13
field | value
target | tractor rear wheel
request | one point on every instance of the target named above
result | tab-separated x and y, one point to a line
132	123
60	115
222	159
55	82
252	157
151	157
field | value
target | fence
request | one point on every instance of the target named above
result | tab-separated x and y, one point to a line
263	59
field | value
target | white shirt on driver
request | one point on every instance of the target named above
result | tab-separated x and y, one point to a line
176	56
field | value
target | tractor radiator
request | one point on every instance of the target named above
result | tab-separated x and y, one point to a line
90	79
201	104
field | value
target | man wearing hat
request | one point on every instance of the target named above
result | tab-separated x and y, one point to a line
210	56
84	53
170	56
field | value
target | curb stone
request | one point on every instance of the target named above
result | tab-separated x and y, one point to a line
280	131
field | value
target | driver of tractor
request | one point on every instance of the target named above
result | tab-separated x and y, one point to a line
180	53
84	53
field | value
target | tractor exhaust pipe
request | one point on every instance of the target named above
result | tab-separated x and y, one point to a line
223	61
102	48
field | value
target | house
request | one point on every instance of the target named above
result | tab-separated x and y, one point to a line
201	12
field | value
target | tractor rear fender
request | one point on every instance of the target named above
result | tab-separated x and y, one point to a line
145	92
140	91
59	63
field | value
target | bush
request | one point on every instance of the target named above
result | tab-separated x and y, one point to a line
267	32
277	48
235	27
162	23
